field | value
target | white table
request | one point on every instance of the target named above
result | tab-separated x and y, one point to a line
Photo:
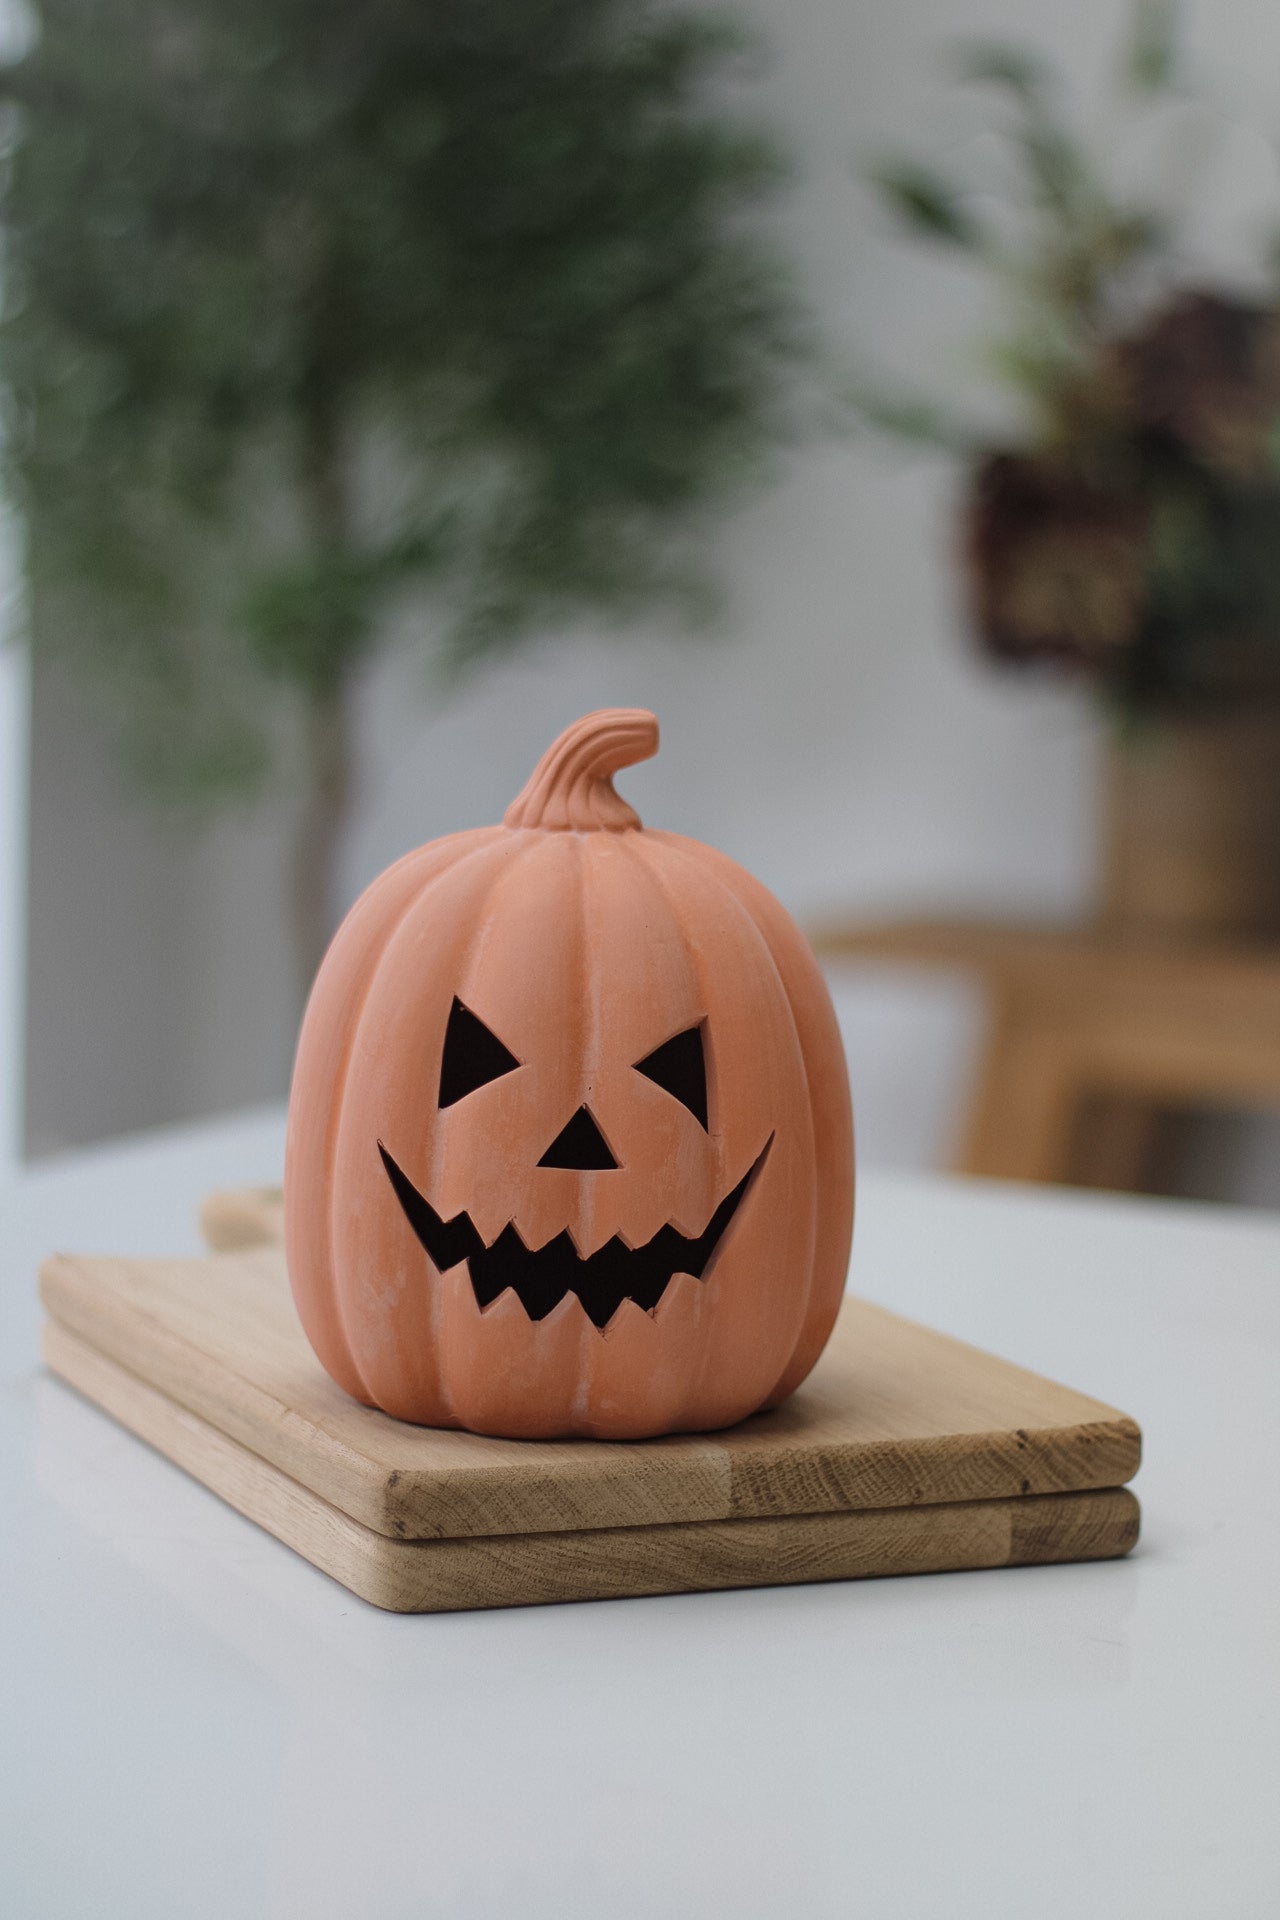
195	1723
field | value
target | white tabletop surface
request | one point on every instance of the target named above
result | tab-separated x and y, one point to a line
194	1722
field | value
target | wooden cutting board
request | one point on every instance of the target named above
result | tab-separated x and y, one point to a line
520	1569
906	1451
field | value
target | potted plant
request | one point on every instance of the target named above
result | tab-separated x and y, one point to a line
316	314
1126	530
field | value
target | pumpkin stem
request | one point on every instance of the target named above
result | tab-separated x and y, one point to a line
571	788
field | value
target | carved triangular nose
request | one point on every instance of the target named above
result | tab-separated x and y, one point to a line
580	1145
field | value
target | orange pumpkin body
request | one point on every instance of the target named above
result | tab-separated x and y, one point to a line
569	1146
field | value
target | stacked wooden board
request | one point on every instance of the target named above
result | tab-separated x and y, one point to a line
905	1452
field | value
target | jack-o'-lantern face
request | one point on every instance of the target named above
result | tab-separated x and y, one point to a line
569	1146
542	1276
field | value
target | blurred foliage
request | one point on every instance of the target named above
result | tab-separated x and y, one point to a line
1133	531
309	305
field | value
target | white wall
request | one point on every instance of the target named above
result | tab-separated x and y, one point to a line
155	986
13	816
838	737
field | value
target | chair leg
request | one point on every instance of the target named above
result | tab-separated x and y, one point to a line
1022	1117
1123	1144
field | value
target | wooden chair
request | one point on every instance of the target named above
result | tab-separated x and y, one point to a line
1094	1041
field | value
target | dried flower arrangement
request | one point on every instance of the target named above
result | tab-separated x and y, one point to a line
1131	530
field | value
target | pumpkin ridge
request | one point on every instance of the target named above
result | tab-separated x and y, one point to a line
413	857
494	841
457	1391
688	851
653	849
644	871
780	934
691	852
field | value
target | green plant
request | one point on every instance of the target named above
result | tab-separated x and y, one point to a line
1129	523
311	307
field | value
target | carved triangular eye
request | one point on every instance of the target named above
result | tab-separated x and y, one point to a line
680	1068
472	1056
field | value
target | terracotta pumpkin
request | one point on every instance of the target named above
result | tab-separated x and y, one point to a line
569	1146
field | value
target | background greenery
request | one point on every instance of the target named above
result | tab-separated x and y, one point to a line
310	307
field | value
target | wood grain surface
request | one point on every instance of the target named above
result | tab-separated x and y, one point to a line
893	1416
237	1217
415	1576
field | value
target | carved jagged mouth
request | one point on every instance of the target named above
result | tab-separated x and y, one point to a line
540	1279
